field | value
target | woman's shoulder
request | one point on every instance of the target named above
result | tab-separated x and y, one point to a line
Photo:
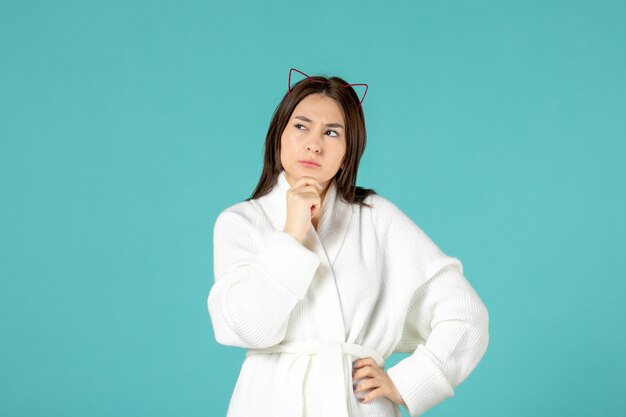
388	217
380	206
377	200
242	207
241	213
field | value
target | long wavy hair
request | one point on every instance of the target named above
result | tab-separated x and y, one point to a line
356	135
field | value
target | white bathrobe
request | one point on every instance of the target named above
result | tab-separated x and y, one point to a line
367	283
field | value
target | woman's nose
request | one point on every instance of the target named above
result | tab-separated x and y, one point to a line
314	145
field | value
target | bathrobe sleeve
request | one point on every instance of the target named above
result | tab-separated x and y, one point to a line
257	284
445	322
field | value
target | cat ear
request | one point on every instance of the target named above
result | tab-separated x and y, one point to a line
362	98
289	80
347	85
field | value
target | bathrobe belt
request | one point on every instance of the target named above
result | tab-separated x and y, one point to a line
332	391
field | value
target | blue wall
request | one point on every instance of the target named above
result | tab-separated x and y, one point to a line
127	126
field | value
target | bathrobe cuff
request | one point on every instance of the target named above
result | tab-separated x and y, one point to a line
290	262
421	383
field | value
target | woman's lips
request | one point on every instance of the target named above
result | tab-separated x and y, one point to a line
309	164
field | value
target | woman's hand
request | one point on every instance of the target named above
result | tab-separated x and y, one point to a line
378	381
303	202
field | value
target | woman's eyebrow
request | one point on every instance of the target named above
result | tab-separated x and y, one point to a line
306	119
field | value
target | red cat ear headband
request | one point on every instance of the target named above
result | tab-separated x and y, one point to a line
346	85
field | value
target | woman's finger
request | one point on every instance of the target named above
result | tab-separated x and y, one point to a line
367	370
378	392
368	384
359	363
306	180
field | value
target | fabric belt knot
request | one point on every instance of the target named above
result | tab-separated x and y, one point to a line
332	393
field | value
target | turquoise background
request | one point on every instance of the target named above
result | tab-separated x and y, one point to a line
127	126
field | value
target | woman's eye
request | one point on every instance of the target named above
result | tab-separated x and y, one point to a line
298	125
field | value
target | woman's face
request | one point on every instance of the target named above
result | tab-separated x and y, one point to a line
315	131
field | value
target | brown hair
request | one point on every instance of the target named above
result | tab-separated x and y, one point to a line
348	101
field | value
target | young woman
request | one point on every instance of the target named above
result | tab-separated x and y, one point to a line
322	280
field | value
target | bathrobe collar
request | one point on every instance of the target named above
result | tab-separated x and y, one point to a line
328	315
332	226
